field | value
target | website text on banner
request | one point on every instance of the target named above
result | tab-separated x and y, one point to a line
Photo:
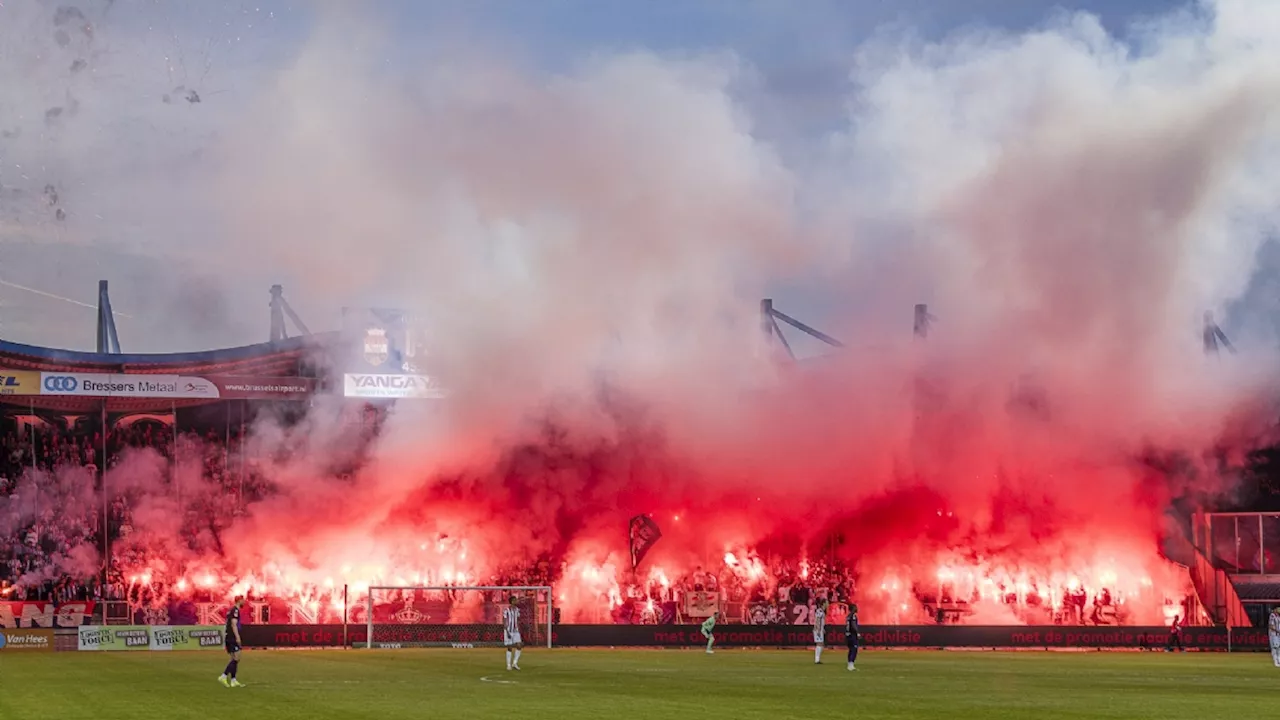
19	382
12	641
115	637
45	614
263	388
391	387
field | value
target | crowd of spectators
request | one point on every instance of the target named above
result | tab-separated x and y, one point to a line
751	591
42	520
52	509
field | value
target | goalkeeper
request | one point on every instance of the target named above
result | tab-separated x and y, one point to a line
708	631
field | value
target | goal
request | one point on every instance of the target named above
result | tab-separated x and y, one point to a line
462	617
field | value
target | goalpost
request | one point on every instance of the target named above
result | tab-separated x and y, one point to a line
460	617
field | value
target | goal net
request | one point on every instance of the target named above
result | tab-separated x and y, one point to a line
454	616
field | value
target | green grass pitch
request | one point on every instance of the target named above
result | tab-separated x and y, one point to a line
640	684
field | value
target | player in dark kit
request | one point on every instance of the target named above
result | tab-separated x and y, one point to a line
852	635
231	640
1175	635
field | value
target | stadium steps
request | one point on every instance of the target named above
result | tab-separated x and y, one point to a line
1257	588
1215	590
1218	594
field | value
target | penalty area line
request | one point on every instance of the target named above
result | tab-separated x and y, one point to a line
497	680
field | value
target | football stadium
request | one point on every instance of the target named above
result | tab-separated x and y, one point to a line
148	461
528	433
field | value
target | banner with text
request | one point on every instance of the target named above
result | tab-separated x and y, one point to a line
390	387
45	614
114	637
173	387
263	388
167	387
188	637
792	614
19	382
26	641
905	636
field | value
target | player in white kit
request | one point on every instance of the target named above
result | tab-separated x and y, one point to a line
511	634
1273	634
819	630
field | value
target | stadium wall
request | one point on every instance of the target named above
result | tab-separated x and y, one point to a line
785	636
71	616
921	637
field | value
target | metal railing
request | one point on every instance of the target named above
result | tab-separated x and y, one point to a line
1240	543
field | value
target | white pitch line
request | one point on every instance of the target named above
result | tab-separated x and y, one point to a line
496	680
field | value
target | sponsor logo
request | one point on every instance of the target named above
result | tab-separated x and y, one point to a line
207	638
92	638
390	386
140	386
18	640
193	389
19	382
61	383
133	638
169	636
376	346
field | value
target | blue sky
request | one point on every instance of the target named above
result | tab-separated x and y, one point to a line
770	32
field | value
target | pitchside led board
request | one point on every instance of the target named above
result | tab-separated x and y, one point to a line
385	357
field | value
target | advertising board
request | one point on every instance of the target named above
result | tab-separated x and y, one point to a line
19	382
886	636
390	387
169	387
186	637
114	637
26	640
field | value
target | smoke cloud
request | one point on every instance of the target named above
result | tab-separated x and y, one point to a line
589	247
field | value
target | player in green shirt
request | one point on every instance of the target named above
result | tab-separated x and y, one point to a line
708	628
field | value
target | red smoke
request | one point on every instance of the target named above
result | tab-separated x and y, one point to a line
590	249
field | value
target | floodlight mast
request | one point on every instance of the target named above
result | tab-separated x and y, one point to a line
108	338
280	309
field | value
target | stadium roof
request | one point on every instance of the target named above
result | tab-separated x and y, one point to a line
294	357
278	359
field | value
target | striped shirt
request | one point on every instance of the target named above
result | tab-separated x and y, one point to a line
1273	625
511	620
819	616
